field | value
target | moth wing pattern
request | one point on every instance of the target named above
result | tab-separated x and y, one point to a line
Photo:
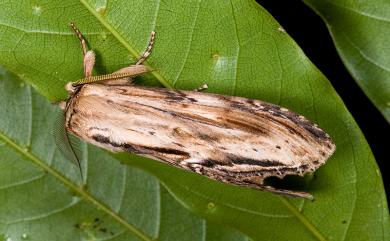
231	139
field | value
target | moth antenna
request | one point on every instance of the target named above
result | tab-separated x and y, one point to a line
64	143
77	158
104	77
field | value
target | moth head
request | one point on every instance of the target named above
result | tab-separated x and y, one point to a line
71	88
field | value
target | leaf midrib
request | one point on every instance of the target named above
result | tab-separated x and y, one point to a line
76	189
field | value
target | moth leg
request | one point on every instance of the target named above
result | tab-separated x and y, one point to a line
148	50
88	56
136	69
258	183
289	193
202	87
141	60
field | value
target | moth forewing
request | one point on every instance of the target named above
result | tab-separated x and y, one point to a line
231	139
235	140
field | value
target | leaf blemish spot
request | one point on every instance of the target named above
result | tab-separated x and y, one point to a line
37	10
24	236
210	206
101	10
104	36
216	56
85	225
281	29
75	199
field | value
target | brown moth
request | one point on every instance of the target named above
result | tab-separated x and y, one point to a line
234	140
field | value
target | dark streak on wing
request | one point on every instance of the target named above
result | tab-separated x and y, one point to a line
288	127
209	163
250	106
187	116
247	126
232	159
97	128
307	125
167	151
207	137
168	94
197	119
233	123
104	140
211	122
276	111
177	144
248	161
139	149
246	105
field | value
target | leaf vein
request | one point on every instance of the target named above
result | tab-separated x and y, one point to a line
360	12
22	182
123	191
44	31
302	218
189	45
158	213
238	49
45	215
222	204
361	52
79	190
30	117
355	189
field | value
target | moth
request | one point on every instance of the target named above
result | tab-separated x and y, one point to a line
230	139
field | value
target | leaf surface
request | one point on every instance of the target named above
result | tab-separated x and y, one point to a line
361	33
235	47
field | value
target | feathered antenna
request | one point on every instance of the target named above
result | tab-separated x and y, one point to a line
64	142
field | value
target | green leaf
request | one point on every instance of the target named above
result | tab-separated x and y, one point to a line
360	31
238	49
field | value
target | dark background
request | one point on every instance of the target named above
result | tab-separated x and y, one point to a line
311	34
